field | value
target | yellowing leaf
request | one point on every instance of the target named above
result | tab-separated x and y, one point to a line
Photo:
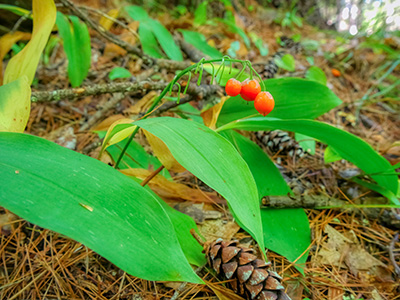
105	22
6	42
15	105
163	154
117	132
26	61
210	116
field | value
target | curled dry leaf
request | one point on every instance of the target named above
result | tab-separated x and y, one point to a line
168	189
210	116
163	154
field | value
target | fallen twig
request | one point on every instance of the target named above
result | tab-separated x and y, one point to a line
391	254
116	87
372	210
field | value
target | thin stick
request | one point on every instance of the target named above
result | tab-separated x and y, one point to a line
151	176
391	254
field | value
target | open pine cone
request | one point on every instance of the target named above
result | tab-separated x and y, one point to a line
252	279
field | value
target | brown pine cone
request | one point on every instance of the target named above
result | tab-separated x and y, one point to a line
251	277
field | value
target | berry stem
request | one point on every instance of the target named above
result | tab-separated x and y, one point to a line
169	87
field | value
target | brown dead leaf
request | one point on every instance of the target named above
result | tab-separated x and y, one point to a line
6	222
214	229
168	189
104	125
222	292
344	250
142	104
163	154
210	116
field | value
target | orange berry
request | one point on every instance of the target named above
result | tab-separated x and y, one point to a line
250	89
264	103
336	72
233	87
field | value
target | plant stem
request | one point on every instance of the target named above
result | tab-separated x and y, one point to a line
163	93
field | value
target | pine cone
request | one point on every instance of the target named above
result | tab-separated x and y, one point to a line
278	140
251	277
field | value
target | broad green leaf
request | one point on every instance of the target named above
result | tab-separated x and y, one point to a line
90	202
200	14
267	176
286	62
287	232
76	41
330	155
197	40
137	13
148	41
225	74
347	145
295	98
119	72
15	105
316	74
182	224
166	40
281	227
306	142
215	161
26	61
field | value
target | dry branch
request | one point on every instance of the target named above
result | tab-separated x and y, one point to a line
118	87
388	217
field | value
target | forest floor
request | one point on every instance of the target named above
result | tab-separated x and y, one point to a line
358	265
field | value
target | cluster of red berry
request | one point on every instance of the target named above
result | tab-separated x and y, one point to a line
250	90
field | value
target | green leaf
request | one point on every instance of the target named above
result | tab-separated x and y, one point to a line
287	232
330	155
119	72
306	142
316	74
199	41
262	47
16	10
200	14
295	98
267	176
182	224
148	41
166	41
379	189
310	45
286	62
348	146
236	29
281	227
76	40
215	161
137	13
90	202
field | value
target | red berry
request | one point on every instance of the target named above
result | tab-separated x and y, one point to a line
264	103
233	87
250	89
